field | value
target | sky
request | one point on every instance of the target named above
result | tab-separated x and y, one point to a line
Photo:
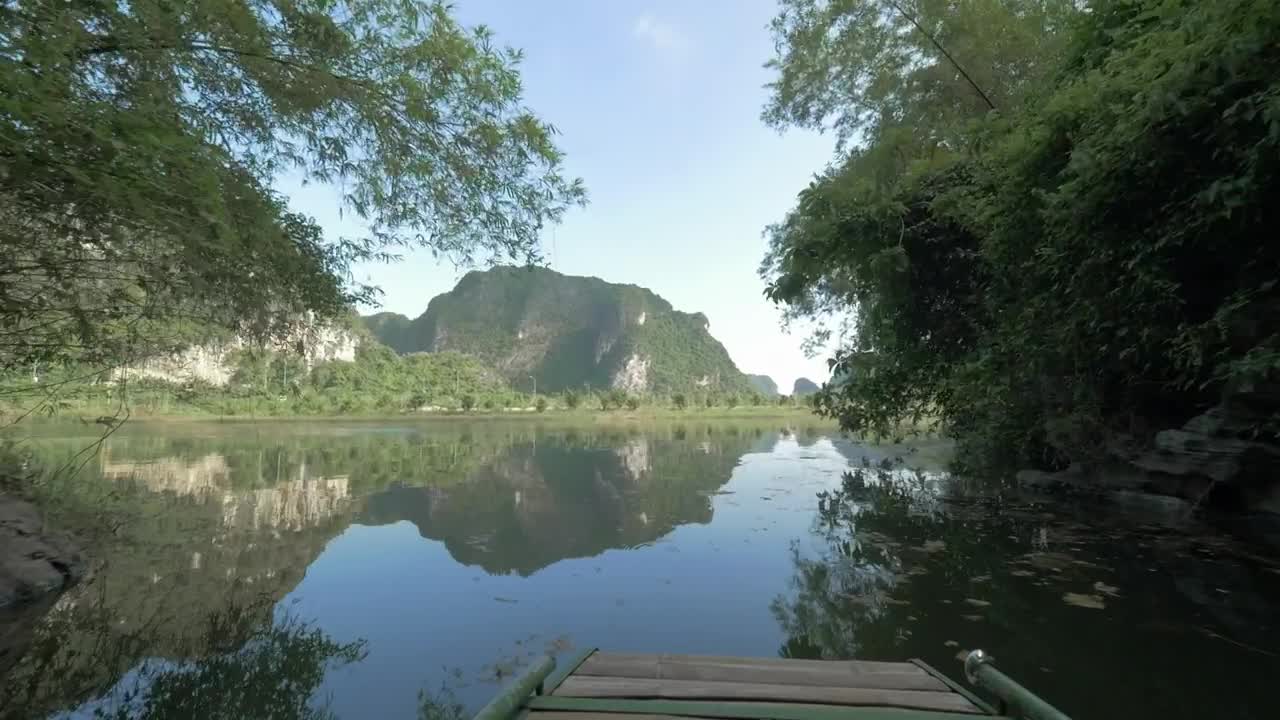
658	105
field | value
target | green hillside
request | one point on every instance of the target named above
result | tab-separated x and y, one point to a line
391	329
566	332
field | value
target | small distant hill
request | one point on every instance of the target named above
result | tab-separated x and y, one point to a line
391	329
764	385
566	332
804	386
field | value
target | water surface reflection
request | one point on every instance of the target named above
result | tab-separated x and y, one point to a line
408	570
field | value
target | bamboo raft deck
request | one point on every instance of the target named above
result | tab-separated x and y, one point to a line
615	686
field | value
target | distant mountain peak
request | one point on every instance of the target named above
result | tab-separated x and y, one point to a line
763	384
804	386
566	331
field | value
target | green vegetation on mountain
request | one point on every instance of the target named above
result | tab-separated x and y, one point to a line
378	381
1058	235
568	332
764	385
391	329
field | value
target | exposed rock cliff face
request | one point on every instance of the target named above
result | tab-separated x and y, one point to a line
566	331
1220	454
211	363
1218	458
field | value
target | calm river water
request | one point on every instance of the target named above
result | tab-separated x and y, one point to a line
406	570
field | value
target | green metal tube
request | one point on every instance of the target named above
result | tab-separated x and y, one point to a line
1023	703
509	702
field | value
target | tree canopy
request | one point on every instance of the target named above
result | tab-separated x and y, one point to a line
1086	262
140	143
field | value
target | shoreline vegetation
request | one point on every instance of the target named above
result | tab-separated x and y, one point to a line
565	415
1057	234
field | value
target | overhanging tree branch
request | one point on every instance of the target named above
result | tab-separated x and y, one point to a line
942	50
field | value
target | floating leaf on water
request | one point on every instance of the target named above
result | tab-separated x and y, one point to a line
1106	589
1022	573
912	618
951	643
961	655
973	618
895	601
931	546
946	602
1047	560
980	578
977	603
1093	602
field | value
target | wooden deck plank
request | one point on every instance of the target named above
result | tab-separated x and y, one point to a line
868	666
831	673
815	712
563	708
566	715
616	687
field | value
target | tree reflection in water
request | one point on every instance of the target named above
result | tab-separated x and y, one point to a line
842	604
1070	594
248	661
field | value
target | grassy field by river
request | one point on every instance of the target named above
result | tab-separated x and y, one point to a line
89	414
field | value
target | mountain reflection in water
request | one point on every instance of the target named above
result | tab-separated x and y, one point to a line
407	570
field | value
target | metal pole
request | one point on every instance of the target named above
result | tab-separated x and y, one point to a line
508	703
980	669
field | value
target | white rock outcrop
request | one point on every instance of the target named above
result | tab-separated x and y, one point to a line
633	377
211	364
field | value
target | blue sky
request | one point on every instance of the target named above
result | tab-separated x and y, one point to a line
658	104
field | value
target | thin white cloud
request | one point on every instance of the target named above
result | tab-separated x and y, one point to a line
661	35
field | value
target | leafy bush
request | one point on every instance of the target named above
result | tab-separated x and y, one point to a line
633	403
617	398
541	404
680	401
